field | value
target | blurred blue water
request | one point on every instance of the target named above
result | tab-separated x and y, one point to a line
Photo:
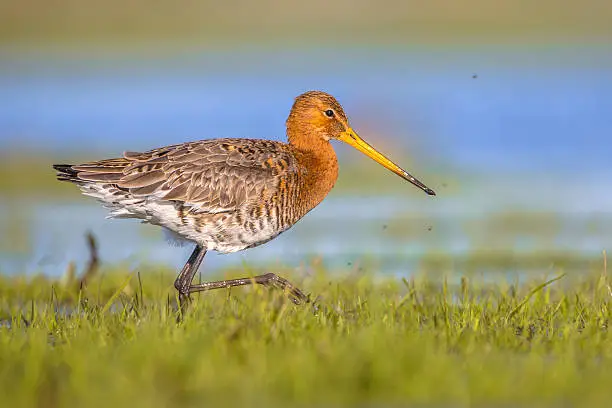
527	109
382	234
531	126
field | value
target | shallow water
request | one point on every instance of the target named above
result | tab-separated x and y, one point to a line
529	126
483	109
389	234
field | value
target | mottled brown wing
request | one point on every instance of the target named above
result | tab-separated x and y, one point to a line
212	176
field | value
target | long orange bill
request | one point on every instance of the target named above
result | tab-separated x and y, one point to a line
351	138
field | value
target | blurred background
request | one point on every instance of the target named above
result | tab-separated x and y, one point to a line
501	107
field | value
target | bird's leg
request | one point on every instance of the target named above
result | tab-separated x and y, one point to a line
185	277
268	279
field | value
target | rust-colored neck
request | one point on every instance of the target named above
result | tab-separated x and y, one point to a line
317	156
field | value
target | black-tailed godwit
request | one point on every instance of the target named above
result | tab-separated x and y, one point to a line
228	195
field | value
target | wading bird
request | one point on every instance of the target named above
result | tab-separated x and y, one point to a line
230	194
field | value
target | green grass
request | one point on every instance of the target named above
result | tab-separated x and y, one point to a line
369	342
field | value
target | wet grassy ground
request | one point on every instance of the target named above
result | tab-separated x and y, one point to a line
365	341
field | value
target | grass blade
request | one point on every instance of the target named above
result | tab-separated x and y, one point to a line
533	292
112	299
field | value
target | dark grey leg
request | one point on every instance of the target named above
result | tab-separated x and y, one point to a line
185	277
268	279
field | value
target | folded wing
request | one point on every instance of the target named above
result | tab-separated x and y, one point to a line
210	176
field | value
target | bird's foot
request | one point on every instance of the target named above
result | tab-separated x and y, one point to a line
184	300
293	292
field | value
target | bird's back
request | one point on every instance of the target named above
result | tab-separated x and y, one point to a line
226	194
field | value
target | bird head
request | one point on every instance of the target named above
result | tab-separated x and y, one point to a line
317	116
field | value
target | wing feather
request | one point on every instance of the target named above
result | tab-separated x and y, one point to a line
212	176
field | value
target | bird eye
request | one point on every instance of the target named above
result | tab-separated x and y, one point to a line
329	113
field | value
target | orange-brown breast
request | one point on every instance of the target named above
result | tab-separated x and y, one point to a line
319	173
